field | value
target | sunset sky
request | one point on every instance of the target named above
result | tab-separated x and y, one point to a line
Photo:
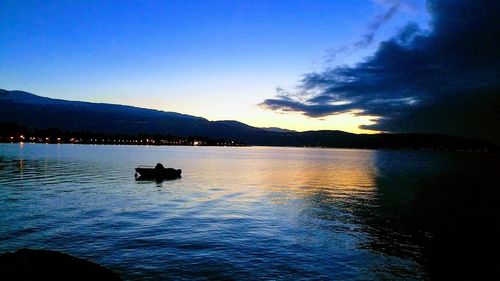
215	59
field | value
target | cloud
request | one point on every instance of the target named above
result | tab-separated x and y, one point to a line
376	24
443	81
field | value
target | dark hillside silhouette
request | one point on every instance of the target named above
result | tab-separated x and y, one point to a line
39	113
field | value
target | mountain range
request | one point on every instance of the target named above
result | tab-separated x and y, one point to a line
37	112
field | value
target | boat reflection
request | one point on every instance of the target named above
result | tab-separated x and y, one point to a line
142	179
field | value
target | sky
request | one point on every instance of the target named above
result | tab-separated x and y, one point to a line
222	60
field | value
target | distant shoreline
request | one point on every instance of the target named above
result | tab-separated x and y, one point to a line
15	133
472	150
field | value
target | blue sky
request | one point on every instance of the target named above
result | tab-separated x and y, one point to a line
215	59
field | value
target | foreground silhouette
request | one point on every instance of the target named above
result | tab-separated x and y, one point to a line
27	264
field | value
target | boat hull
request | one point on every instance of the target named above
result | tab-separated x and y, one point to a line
158	174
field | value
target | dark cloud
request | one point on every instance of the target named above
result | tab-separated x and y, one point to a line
443	81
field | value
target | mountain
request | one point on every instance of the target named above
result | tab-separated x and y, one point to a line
38	112
278	130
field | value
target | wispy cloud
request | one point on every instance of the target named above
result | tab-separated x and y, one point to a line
376	24
394	6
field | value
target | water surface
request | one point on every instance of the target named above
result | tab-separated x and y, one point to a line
255	212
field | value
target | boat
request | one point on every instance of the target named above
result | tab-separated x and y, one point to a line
157	172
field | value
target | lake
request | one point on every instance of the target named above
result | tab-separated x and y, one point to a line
266	213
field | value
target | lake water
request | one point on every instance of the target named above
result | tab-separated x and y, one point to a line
255	212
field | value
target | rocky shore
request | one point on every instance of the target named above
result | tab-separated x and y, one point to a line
28	264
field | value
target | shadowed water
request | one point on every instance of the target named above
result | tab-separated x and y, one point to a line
255	213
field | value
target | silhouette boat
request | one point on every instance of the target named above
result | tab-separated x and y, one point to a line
157	172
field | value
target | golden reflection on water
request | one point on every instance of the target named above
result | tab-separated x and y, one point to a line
284	174
326	176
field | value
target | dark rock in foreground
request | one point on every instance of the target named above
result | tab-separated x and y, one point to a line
27	264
